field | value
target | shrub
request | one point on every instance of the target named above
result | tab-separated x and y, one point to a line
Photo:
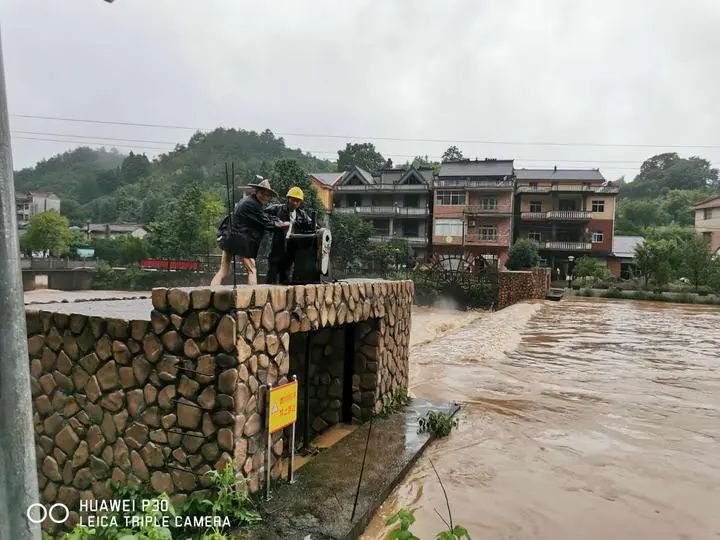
523	255
480	295
614	292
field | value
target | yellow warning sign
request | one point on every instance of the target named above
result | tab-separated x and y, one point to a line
283	406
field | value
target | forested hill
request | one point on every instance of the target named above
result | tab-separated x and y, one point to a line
106	186
664	192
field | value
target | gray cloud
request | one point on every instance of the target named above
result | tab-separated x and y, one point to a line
641	72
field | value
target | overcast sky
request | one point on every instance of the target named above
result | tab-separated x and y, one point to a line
612	72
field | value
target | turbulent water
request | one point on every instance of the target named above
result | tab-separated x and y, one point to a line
584	419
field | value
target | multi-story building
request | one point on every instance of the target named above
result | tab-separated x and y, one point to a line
472	208
32	203
397	201
707	221
569	213
323	184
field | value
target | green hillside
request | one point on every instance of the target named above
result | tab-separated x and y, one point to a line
106	186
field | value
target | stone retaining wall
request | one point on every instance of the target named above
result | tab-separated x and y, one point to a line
164	401
517	286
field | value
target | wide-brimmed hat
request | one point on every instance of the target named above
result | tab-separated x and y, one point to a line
263	184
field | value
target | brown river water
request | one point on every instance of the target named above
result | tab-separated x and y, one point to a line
581	419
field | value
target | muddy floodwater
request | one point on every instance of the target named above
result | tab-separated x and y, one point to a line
585	418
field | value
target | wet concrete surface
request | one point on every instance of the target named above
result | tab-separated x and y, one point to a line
319	504
585	418
127	305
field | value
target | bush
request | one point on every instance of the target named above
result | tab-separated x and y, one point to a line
614	292
480	295
523	255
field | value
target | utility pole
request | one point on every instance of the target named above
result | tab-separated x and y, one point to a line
18	473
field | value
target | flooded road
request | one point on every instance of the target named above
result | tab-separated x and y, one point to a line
586	418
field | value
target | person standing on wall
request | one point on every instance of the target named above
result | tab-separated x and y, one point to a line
282	256
249	223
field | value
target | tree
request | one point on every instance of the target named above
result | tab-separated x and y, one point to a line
653	258
452	154
523	255
697	259
361	155
393	255
48	231
587	267
678	203
134	167
187	227
123	250
287	173
669	171
351	240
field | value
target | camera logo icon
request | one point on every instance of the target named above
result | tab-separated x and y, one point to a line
57	513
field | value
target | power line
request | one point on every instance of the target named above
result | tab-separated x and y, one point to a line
86	121
89	136
377	138
96	143
329	152
100	143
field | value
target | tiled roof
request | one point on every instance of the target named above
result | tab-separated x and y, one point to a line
328	178
711	202
559	175
487	167
624	246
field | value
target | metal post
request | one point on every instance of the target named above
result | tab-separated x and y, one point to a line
291	472
18	470
269	444
306	392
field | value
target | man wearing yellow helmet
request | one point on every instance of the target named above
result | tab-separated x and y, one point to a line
281	258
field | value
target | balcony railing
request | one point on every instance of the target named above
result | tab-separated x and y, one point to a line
565	246
570	187
383	187
488	210
569	215
487	240
412	240
383	210
533	216
474	184
557	215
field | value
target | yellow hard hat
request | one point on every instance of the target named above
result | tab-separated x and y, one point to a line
296	193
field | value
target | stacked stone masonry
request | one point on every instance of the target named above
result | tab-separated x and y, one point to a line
514	287
166	400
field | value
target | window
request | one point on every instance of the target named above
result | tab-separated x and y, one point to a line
707	213
448	227
487	232
411	228
567	205
488	203
536	206
451	198
597	237
535	235
533	184
598	206
381	226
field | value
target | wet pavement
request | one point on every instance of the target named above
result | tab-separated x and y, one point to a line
319	505
586	418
